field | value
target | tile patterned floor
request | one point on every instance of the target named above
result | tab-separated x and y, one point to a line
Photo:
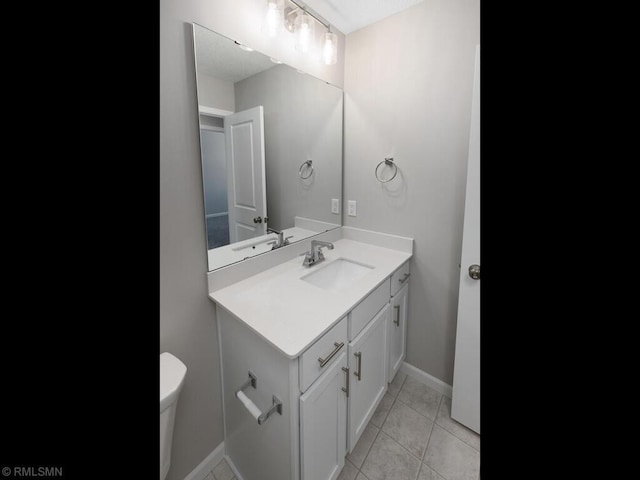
411	436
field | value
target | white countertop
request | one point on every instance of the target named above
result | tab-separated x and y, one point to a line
290	313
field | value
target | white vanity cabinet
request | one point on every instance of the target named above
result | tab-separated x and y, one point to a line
368	373
397	326
295	403
323	424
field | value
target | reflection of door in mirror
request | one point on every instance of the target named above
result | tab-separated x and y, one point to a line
234	175
214	170
246	191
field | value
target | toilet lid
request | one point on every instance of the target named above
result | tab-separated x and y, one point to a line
172	373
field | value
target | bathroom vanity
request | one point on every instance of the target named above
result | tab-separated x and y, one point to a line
307	354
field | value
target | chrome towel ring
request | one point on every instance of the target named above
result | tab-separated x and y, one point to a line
308	163
387	161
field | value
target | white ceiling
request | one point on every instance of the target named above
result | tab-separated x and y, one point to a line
220	57
351	15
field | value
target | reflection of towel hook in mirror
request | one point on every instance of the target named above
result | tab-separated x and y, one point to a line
387	161
308	163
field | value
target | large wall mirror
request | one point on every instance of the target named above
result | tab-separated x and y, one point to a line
271	147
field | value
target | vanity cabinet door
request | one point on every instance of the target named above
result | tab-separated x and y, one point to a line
397	328
323	424
368	367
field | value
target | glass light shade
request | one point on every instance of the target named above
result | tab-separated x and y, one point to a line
330	48
273	17
305	32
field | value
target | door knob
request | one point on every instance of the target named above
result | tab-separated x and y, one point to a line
257	220
474	272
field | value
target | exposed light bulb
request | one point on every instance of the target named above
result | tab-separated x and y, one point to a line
330	48
273	18
305	32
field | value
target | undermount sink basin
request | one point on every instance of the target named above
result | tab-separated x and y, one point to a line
337	275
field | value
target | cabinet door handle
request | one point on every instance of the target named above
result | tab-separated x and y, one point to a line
359	372
346	390
397	320
323	361
405	278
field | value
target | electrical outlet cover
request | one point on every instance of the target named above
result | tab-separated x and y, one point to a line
352	208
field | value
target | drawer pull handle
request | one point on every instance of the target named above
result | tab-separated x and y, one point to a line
405	278
397	320
324	361
359	372
346	390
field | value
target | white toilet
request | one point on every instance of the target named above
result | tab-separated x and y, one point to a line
172	373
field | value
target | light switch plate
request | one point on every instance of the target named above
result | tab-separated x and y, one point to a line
352	208
335	205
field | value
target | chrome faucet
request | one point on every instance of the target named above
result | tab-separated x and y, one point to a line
281	241
315	255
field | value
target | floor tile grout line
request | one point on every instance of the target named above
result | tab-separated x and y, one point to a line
387	415
403	447
409	406
459	438
369	450
433	424
427	437
453	433
429	441
395	397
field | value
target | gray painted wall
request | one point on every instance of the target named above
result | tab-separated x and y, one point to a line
302	119
215	93
408	85
187	316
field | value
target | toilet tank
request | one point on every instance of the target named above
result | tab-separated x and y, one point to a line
172	373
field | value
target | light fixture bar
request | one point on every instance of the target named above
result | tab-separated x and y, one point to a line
304	9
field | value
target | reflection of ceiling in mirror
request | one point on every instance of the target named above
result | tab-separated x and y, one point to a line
220	57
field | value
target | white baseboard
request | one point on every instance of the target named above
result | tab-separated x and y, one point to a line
426	379
202	470
233	468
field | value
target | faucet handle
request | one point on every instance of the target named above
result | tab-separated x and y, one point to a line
286	240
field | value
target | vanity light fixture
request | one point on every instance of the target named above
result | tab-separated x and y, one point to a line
330	48
299	21
305	31
273	17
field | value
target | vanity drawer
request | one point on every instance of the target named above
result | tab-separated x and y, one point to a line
399	278
367	309
310	367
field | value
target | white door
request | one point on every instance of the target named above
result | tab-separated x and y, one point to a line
323	424
465	400
247	202
396	336
368	366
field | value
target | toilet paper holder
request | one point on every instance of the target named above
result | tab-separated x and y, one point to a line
255	412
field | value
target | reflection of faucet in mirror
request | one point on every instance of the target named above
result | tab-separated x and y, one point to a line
281	241
315	255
